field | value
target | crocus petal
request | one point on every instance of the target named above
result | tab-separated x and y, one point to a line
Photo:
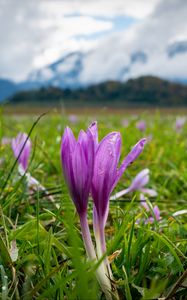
82	140
80	174
134	153
150	192
156	212
68	139
66	156
77	161
90	157
143	202
21	146
119	194
140	180
105	170
94	131
67	148
138	184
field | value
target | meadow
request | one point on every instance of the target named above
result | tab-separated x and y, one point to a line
42	255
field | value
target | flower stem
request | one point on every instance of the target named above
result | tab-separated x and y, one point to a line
87	237
101	251
100	272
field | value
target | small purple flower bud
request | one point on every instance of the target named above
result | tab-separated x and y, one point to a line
73	119
141	125
20	150
125	123
180	121
156	212
6	140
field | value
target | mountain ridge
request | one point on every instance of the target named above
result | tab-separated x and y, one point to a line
77	69
145	90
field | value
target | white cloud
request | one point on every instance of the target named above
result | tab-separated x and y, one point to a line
77	25
35	36
166	25
40	32
135	8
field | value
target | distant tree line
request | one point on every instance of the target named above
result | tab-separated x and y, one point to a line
142	91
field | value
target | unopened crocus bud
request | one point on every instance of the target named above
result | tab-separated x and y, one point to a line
77	159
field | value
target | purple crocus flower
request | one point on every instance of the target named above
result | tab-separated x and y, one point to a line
77	159
21	146
180	121
156	213
73	119
6	140
138	184
106	175
92	166
106	172
141	125
125	123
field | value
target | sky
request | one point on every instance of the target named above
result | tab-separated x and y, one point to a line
34	34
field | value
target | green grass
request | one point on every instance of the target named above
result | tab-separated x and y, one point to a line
51	261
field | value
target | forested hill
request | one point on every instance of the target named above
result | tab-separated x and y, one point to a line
142	91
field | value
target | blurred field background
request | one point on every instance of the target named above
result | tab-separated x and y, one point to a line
42	255
119	63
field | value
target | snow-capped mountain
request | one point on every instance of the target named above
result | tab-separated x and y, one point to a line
177	48
63	73
68	71
82	69
79	69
